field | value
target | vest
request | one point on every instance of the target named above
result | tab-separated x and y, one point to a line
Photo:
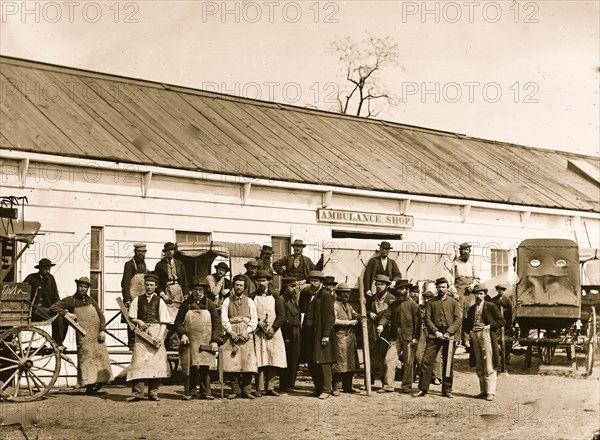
148	312
234	310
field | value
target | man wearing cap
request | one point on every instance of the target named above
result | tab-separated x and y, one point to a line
132	283
483	321
239	321
379	341
404	321
93	364
380	264
290	330
44	293
218	285
428	295
198	326
295	266
264	259
148	363
268	340
466	277
251	269
443	320
506	308
318	347
347	362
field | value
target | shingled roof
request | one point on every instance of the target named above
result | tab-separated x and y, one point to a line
70	112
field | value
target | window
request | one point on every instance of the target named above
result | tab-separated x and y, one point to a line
96	265
281	248
500	259
192	237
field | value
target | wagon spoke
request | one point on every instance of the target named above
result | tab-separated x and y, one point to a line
40	381
20	343
7	382
13	352
28	383
9	368
14	361
17	383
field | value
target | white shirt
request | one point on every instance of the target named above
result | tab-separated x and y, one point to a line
225	314
163	311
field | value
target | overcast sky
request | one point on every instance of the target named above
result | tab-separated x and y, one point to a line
521	72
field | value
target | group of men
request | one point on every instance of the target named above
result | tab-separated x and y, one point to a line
259	333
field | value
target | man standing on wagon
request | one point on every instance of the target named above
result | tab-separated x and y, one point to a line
93	364
148	363
132	283
466	277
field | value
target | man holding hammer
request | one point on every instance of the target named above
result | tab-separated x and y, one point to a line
443	320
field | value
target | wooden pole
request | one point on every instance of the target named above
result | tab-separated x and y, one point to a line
365	334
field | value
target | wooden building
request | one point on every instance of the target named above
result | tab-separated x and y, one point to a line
106	161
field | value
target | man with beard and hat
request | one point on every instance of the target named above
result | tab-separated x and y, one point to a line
93	364
347	362
443	320
318	347
483	321
268	340
239	321
173	288
428	295
506	308
379	341
44	293
132	283
466	277
219	286
198	326
290	330
296	265
404	321
251	269
380	264
264	259
149	362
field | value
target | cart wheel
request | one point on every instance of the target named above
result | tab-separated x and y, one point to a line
591	339
31	363
546	353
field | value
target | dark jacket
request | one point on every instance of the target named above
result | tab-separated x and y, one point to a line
205	304
161	270
47	291
404	318
374	268
323	318
452	312
129	271
288	262
490	315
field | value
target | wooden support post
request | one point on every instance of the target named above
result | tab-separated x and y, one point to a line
365	334
528	357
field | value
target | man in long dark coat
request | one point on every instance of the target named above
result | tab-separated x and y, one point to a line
132	283
318	344
290	330
483	322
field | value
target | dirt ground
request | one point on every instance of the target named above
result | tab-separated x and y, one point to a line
546	402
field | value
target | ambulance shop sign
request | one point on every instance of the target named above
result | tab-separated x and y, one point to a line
365	218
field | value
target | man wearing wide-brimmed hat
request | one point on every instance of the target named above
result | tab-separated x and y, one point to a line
466	277
148	363
251	269
404	321
380	264
93	363
198	326
347	362
290	330
44	293
132	283
296	265
268	339
264	259
318	347
428	295
484	319
505	303
379	341
218	285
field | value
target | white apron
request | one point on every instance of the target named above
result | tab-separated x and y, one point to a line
241	359
147	361
269	352
198	327
93	364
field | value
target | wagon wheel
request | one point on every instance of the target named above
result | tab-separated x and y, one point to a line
546	353
591	339
30	363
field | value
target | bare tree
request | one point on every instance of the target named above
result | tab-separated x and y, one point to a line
362	64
